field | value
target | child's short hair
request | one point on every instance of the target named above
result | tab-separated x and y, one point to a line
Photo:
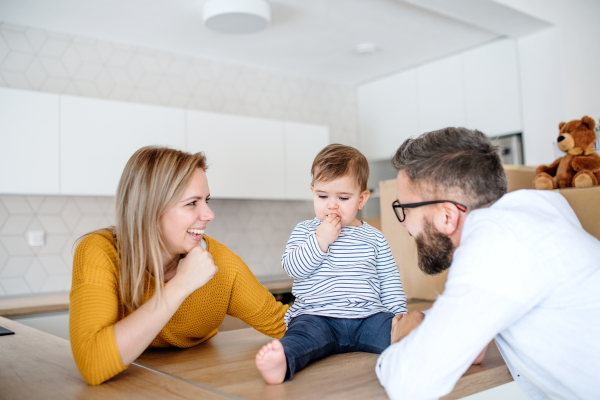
336	161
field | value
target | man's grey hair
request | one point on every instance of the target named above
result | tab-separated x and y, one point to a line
453	159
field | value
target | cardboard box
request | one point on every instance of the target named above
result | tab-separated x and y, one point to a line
417	284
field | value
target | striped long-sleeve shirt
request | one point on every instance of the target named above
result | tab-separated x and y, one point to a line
355	278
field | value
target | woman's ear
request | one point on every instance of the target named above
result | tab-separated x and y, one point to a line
364	196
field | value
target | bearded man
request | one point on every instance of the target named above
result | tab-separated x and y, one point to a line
522	272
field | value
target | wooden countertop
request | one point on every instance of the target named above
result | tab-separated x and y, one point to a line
226	363
55	302
37	365
34	304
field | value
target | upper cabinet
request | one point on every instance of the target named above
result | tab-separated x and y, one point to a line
97	138
441	94
58	144
302	144
493	100
255	158
478	89
29	154
388	114
245	155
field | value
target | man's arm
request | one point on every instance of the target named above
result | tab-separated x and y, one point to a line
429	360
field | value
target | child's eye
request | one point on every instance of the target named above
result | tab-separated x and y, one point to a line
344	198
322	196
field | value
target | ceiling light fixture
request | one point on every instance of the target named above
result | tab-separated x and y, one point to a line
236	16
365	48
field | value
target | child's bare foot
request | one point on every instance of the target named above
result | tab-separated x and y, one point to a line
270	361
480	357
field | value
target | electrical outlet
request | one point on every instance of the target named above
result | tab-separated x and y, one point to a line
36	238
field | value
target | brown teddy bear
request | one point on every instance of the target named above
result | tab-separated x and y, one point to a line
580	167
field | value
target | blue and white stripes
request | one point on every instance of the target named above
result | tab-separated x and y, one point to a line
357	277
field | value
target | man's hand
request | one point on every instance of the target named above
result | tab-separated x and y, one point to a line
328	231
403	324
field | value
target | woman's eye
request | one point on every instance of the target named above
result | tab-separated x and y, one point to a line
207	200
193	203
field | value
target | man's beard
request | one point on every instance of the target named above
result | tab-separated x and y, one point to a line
434	250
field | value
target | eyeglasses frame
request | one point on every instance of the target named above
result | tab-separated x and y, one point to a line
396	205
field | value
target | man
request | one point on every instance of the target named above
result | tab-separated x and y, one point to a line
522	271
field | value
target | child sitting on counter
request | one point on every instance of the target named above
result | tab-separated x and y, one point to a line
346	283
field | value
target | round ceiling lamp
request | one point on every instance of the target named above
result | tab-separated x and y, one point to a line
236	16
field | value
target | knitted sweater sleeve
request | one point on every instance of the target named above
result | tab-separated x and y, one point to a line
254	304
94	310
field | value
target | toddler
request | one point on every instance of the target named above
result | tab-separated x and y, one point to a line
346	283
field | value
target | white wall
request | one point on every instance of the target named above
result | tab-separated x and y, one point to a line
577	42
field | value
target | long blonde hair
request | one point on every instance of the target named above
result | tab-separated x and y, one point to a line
152	181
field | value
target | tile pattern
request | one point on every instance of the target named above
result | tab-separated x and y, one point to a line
256	230
47	61
35	59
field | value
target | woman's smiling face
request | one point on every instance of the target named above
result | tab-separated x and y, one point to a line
183	224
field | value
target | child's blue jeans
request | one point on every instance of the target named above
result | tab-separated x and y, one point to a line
310	337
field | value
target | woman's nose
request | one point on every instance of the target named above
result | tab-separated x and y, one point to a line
206	214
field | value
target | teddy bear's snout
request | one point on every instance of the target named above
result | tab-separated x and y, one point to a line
565	142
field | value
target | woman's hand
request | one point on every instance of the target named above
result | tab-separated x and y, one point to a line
135	332
195	270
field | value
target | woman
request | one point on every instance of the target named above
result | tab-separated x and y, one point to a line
148	281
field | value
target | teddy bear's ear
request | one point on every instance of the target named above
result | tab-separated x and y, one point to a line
561	125
589	122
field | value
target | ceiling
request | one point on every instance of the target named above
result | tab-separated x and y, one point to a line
312	38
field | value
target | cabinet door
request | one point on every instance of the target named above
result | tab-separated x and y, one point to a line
441	94
245	155
387	114
99	136
29	156
302	143
493	102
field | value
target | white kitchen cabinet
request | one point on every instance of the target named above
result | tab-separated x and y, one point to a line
245	155
493	101
29	153
302	143
441	94
97	138
388	114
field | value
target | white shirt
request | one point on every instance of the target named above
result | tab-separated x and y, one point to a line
526	274
355	278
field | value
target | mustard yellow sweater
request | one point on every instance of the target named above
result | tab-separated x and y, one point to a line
95	306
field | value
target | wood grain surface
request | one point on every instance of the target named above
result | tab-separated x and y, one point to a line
34	304
226	363
37	365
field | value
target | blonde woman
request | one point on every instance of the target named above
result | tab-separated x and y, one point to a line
154	279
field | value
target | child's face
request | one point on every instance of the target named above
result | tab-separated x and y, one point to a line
341	197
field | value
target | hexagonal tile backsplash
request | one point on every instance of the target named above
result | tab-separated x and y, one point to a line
256	230
35	59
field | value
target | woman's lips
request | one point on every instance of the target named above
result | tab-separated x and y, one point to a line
195	234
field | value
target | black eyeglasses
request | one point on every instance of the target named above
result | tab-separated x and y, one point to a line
401	216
